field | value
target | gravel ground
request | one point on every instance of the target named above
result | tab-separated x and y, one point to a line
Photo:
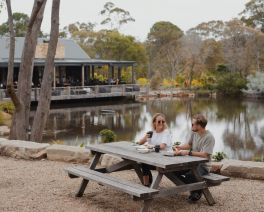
44	186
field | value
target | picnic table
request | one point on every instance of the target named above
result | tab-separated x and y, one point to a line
165	166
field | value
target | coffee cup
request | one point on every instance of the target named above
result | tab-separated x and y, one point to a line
157	148
150	133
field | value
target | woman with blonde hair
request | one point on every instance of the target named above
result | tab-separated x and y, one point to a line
159	137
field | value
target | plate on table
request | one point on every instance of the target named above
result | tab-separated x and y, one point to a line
150	146
168	153
143	150
141	147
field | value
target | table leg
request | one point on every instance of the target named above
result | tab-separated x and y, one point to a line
206	192
155	184
173	178
84	183
146	205
138	171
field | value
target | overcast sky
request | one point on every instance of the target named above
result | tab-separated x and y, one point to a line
183	13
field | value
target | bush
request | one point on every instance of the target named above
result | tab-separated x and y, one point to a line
107	135
142	81
180	78
7	107
230	83
197	83
218	156
256	82
155	81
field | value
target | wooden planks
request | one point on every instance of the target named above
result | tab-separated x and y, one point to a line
215	179
120	184
126	150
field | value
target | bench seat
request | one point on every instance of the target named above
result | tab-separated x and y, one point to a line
105	179
215	179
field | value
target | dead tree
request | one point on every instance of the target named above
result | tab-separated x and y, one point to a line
42	113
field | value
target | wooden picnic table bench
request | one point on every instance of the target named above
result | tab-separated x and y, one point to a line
165	166
133	189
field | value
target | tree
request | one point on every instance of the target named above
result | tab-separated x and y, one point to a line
83	34
113	45
20	122
237	46
115	16
162	48
209	30
41	116
10	87
253	14
192	59
20	21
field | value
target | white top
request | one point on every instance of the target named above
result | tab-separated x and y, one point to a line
163	137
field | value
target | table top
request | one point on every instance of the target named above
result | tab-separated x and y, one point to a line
126	150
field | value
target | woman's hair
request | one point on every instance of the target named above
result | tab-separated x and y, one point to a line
154	120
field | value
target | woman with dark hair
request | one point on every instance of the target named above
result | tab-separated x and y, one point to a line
160	137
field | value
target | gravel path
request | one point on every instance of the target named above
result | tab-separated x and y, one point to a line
44	186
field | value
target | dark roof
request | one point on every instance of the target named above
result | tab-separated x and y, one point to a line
73	54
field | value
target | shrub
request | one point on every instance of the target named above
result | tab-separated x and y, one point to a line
7	107
180	79
100	77
230	83
142	81
218	156
107	135
155	81
221	68
256	82
197	83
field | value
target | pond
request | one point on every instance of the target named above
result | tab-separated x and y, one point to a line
238	125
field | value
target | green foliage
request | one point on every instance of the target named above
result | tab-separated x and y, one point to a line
100	77
218	156
20	25
163	32
258	159
180	78
177	143
253	14
126	75
7	107
221	68
107	135
230	83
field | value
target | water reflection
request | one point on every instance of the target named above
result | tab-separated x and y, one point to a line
238	125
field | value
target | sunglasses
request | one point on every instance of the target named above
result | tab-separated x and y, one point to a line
161	121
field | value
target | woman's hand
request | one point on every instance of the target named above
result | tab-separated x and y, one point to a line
143	140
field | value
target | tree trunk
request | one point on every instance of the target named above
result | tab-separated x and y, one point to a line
45	92
21	116
10	87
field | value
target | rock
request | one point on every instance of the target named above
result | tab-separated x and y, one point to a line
108	160
67	153
23	149
4	130
243	169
